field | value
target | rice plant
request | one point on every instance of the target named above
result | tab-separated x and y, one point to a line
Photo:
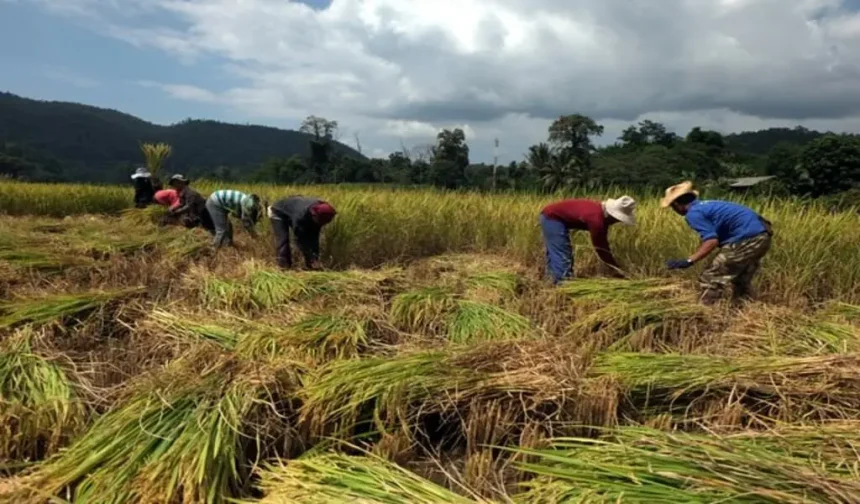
650	466
41	407
337	393
474	322
184	440
332	335
155	154
223	336
424	310
332	478
54	308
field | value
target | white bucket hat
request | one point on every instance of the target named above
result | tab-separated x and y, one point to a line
141	172
623	209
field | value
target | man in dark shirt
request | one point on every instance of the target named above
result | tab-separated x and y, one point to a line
306	217
144	189
742	235
557	219
191	211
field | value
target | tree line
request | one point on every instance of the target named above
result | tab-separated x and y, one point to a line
802	162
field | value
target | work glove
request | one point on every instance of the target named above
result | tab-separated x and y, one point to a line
673	264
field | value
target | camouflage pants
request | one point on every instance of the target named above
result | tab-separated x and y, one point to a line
735	264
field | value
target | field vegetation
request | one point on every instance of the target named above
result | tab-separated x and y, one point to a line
429	363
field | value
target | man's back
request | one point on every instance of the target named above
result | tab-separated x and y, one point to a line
728	222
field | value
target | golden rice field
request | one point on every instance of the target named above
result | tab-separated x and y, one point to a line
430	363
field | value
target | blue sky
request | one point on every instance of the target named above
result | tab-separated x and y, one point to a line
396	72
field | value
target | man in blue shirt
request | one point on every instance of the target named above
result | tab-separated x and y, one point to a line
741	234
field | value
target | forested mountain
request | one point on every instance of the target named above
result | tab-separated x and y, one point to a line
70	141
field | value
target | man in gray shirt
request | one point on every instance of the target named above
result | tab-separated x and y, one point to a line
306	217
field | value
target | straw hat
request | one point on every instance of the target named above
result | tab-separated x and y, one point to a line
676	191
623	209
178	178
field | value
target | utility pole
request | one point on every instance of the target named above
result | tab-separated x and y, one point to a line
495	161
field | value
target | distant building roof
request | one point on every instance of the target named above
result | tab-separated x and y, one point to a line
749	181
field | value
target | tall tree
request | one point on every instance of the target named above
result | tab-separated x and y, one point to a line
832	163
450	159
323	132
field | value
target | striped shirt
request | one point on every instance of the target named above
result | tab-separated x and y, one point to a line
237	202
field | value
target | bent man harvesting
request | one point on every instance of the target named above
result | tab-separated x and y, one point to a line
742	235
306	218
557	219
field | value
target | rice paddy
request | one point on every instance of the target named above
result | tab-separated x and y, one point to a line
430	363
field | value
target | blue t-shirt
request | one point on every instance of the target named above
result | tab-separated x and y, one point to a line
728	222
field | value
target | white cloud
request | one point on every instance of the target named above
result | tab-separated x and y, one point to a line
400	70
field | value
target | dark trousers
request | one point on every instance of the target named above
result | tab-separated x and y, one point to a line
281	234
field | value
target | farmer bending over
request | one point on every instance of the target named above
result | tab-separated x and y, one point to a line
306	217
191	210
226	201
559	218
742	235
144	190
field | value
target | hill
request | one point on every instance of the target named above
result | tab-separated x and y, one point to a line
759	143
71	141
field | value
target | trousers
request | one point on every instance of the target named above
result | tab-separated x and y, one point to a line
221	223
736	264
559	253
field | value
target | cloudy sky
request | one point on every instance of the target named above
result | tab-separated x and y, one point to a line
395	71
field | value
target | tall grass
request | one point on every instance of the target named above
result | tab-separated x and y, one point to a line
813	255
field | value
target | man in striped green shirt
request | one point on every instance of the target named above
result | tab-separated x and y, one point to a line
226	201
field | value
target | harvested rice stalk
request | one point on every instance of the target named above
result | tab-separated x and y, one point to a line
144	217
647	465
333	335
225	337
494	286
334	478
787	387
624	319
396	391
425	310
53	308
232	294
40	261
336	393
609	290
183	438
473	321
40	407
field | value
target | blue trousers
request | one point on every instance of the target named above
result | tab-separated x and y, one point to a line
559	253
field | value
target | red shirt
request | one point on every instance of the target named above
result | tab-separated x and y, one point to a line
168	198
585	215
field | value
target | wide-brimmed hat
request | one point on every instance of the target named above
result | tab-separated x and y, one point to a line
140	173
676	191
178	177
623	209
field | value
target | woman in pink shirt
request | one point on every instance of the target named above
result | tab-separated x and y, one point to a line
168	198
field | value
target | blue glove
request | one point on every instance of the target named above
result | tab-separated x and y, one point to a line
678	264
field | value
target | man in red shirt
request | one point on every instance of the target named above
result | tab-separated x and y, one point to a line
557	219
